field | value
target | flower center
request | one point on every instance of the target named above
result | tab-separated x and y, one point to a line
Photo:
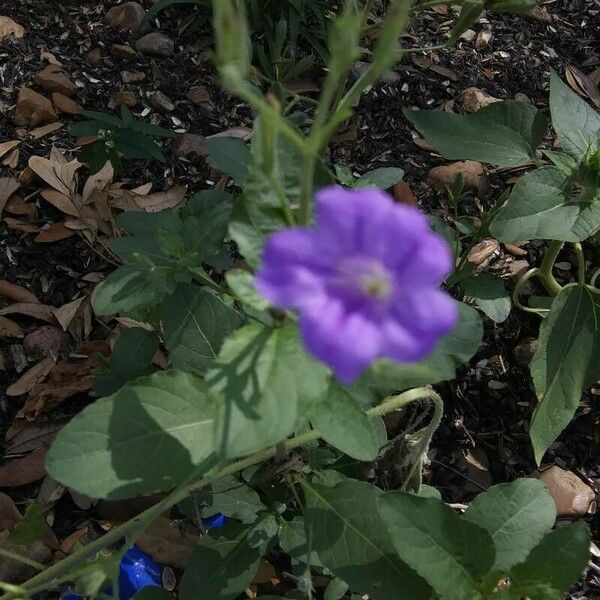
367	276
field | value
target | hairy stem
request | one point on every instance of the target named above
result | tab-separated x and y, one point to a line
580	264
55	574
22	559
545	273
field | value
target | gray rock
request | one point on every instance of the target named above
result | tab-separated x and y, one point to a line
155	43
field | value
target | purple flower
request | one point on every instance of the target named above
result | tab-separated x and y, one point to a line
365	280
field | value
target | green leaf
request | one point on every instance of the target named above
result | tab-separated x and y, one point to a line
469	14
383	178
32	527
344	424
556	562
522	117
352	541
131	357
268	381
222	565
517	515
566	362
292	539
471	137
576	123
451	553
541	206
230	155
335	589
489	295
242	285
451	352
195	324
148	436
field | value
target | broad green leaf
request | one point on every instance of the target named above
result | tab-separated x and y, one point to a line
32	527
131	358
451	553
469	14
292	539
555	563
344	424
541	206
383	178
451	352
449	233
522	117
471	137
490	296
150	435
335	589
228	496
576	123
353	542
268	381
230	155
195	324
566	362
242	284
222	565
517	515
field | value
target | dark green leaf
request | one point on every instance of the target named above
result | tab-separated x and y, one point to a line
556	562
566	362
242	284
148	436
268	381
489	295
33	526
230	155
131	357
517	515
576	123
292	539
352	541
383	178
451	553
195	323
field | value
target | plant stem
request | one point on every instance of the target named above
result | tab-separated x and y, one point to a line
55	574
22	559
545	273
306	187
580	263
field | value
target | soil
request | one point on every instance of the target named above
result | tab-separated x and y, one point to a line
489	404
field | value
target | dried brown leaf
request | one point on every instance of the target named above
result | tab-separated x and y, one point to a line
20	226
40	132
66	313
60	201
17	293
9	513
27	381
54	233
17	206
161	200
9	328
42	312
8	186
99	181
22	471
59	176
12	160
582	84
6	147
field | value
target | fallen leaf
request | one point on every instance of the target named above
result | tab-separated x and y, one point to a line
20	226
12	160
483	251
60	201
67	544
266	573
59	176
98	181
166	544
474	175
48	56
17	206
473	99
161	200
402	193
27	469
572	496
17	293
35	374
9	328
9	513
66	313
582	84
6	147
242	133
40	132
54	233
43	312
8	186
9	27
26	437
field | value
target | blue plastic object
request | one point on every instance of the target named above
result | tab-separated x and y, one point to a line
214	521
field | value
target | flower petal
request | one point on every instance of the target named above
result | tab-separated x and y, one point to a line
347	342
429	263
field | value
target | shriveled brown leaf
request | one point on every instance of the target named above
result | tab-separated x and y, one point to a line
60	201
483	251
242	133
9	328
54	173
473	172
69	542
15	292
582	84
9	513
54	233
402	193
66	313
572	496
26	437
32	376
6	147
43	312
161	200
473	99
8	186
266	573
17	206
20	225
21	471
40	132
12	159
99	181
167	544
66	379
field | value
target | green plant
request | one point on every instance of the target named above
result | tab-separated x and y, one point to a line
559	202
117	136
